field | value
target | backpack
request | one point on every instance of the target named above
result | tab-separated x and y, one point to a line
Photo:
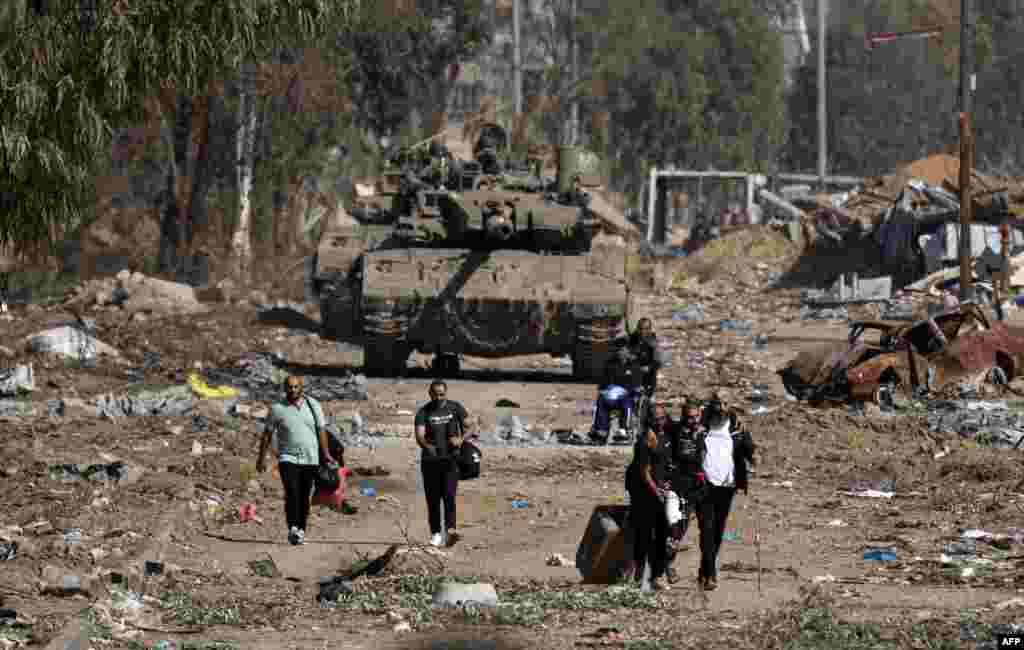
468	461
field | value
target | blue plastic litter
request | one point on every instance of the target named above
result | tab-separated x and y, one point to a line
736	325
691	313
367	488
881	553
519	504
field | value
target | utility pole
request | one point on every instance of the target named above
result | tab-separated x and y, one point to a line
822	115
574	115
517	59
966	162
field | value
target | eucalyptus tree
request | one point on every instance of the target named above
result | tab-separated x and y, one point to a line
400	61
65	86
692	83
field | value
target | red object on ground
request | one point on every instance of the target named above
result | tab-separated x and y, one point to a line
247	512
336	497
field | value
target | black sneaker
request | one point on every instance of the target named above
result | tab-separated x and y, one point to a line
599	437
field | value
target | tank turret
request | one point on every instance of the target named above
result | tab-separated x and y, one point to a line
480	257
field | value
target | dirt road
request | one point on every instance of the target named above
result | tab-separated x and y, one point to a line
796	531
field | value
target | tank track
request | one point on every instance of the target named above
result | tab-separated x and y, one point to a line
385	347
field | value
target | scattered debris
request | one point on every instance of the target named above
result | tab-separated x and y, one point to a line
72	341
99	472
268	569
8	551
17	380
331	589
690	313
880	553
557	559
459	594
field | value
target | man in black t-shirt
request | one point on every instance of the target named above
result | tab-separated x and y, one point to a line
439	432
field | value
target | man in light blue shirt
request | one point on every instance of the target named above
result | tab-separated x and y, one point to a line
301	443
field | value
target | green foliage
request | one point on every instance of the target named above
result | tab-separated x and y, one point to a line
648	644
92	628
819	629
691	83
46	286
361	601
529	609
191	645
187	612
897	102
62	89
399	61
18	633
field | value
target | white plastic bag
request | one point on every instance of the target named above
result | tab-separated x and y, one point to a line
673	508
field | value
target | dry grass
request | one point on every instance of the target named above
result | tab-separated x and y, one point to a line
756	243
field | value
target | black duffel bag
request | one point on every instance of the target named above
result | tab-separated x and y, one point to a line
327	478
468	461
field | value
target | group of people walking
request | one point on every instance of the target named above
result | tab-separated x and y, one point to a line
690	466
304	446
701	460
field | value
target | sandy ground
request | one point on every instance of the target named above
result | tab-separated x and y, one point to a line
798	541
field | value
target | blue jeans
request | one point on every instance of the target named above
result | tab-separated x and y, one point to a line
609	399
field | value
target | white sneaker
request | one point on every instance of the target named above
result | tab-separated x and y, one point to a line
300	537
293	535
437	540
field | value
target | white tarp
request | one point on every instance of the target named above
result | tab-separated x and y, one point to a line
69	341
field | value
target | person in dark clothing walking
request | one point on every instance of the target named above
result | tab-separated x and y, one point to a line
302	443
440	425
723	455
682	468
644	478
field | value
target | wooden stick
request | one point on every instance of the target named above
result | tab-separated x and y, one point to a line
757	541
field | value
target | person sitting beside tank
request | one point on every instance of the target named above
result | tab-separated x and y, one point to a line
643	343
622	382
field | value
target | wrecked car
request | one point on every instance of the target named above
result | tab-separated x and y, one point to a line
928	356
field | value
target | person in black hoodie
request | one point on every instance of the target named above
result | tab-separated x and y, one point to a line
644	345
723	455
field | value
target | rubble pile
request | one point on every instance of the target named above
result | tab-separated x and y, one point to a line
988	423
260	376
753	257
136	293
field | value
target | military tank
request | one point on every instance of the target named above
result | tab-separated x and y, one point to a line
473	263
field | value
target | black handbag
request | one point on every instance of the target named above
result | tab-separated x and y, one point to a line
327	478
468	461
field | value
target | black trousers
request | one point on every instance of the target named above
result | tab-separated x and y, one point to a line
298	486
440	483
712	513
647	516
